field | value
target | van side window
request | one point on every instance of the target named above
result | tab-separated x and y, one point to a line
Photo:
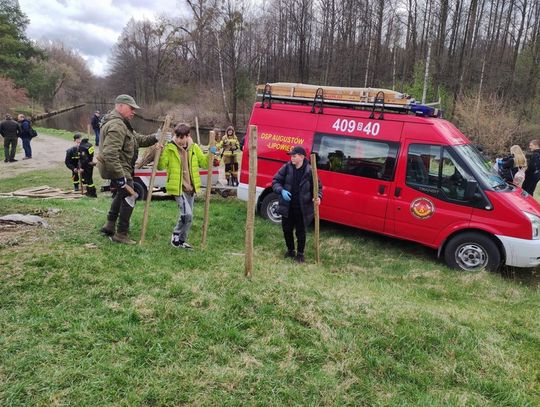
432	170
354	156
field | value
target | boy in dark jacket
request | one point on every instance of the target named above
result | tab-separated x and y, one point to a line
294	185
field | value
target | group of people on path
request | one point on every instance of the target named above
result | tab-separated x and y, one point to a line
11	130
519	170
182	159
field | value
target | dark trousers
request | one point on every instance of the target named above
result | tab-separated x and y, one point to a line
10	146
295	220
120	209
75	179
529	185
88	181
26	147
96	132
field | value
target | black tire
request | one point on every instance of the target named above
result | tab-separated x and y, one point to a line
269	207
472	251
140	188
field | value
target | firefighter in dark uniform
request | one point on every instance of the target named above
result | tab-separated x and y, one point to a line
72	161
86	158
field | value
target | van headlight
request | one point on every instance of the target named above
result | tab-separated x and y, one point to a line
535	225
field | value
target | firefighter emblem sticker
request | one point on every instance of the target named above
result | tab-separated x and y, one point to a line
422	208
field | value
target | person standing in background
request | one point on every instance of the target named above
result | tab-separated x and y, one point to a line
231	149
95	125
86	164
26	135
532	174
10	130
72	161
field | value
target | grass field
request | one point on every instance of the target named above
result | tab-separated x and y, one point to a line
85	322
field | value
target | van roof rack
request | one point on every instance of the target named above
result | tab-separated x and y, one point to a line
319	96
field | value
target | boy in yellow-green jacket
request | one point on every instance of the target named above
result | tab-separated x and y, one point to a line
182	159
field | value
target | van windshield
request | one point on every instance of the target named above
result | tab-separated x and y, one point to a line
481	167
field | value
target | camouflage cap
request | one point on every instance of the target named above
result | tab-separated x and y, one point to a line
126	100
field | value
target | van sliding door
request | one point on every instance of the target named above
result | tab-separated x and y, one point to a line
356	174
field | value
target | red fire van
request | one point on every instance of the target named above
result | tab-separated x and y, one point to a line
409	176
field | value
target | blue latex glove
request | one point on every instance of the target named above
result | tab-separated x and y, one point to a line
121	182
286	195
213	149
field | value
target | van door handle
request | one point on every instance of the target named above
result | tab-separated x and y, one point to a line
397	192
381	189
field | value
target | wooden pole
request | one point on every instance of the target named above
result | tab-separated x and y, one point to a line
250	216
197	130
157	153
80	172
315	206
211	143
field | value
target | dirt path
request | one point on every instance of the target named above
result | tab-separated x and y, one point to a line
47	152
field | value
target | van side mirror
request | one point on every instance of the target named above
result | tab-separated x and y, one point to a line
470	189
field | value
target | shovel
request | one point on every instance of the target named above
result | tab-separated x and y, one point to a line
132	197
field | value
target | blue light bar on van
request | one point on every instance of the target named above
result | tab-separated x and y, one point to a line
423	110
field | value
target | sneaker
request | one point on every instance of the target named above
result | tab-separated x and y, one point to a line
186	246
300	258
13	160
26	158
175	240
290	254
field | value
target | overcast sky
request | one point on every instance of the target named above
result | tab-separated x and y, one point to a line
91	27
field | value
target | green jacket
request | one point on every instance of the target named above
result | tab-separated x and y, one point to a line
119	147
170	161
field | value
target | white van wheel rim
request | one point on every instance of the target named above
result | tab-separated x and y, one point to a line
471	256
272	211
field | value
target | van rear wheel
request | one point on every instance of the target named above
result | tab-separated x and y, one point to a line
472	251
140	188
269	208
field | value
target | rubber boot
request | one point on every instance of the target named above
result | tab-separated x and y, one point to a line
121	237
109	228
91	192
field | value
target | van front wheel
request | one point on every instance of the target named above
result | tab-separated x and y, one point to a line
269	208
472	251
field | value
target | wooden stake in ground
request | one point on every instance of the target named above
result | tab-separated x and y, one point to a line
211	143
197	130
315	207
250	217
161	140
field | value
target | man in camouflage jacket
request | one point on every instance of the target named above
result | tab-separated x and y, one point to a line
116	159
